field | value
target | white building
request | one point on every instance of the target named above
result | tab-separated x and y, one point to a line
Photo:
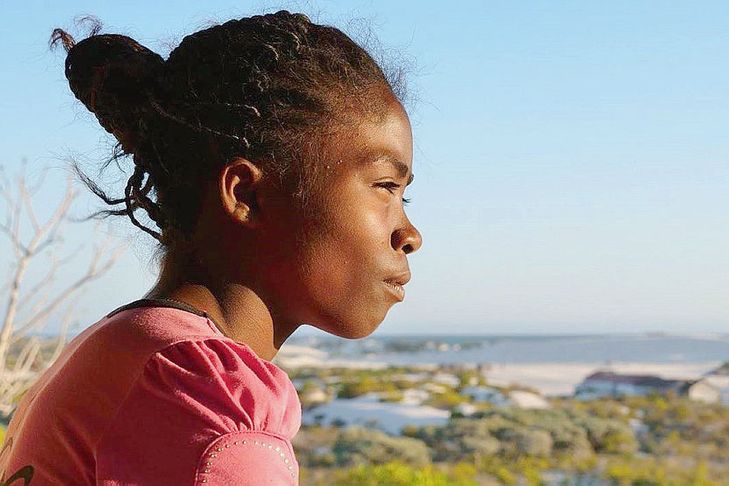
711	389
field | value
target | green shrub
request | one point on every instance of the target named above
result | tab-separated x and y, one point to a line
398	474
360	446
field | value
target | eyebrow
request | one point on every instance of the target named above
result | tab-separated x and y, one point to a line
401	168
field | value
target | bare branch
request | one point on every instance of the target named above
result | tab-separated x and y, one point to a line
28	206
12	308
10	226
44	282
52	224
4	181
18	248
70	256
92	273
39	247
37	304
63	334
27	356
34	189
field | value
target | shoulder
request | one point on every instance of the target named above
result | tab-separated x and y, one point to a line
221	382
218	376
153	326
193	396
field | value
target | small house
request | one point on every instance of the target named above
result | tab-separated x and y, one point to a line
711	388
609	384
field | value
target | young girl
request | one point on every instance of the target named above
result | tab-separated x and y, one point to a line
272	154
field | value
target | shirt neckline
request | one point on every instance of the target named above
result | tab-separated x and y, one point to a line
164	302
176	304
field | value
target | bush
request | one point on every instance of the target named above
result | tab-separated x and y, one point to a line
532	442
398	474
360	446
446	400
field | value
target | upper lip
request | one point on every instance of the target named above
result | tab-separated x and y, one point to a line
400	279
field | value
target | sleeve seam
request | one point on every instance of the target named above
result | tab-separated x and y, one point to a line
140	374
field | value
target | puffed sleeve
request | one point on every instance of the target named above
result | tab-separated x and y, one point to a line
203	412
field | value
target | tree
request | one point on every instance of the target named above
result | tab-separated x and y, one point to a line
29	308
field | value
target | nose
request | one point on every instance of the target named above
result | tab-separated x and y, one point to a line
406	239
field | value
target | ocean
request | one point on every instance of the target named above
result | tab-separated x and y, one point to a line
418	349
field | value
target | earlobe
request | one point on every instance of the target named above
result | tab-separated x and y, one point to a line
242	212
239	185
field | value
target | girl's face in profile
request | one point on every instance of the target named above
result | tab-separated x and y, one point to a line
346	263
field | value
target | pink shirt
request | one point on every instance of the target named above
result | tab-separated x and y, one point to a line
155	394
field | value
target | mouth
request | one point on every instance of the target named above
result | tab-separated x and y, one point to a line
396	285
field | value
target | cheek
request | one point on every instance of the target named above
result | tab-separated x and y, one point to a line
348	251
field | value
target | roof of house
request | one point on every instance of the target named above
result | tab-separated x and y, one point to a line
636	380
717	381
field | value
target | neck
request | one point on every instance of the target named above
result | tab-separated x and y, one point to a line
236	308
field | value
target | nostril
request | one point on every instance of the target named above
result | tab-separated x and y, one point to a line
406	240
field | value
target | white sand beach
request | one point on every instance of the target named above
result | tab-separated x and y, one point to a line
294	356
548	378
367	410
561	378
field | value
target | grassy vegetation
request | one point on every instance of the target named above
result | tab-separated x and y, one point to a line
634	441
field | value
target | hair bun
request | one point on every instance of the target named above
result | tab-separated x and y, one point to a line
115	77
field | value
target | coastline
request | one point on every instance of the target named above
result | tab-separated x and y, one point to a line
547	377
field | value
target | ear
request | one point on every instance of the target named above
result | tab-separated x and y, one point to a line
239	183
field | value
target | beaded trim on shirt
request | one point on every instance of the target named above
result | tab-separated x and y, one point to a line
211	456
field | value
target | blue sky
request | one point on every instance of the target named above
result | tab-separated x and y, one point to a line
571	158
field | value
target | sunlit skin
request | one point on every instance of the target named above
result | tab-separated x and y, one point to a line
262	266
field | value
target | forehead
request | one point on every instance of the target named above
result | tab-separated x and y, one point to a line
385	141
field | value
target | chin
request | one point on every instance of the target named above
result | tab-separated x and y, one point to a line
358	333
351	330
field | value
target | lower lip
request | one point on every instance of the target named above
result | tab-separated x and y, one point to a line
396	290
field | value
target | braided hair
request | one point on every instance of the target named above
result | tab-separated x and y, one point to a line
266	88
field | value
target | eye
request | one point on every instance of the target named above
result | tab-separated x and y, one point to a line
391	187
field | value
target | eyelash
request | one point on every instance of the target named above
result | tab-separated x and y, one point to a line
390	186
